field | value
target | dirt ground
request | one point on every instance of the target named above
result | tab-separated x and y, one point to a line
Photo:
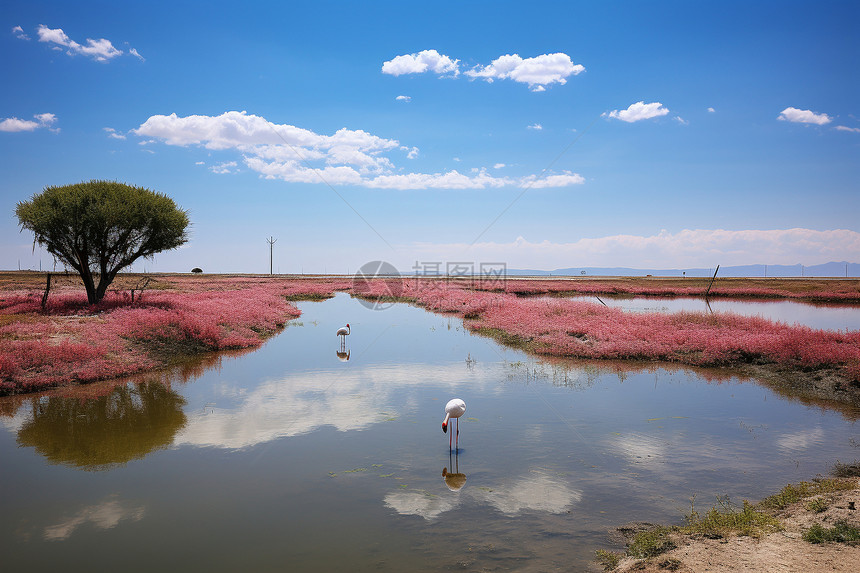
780	552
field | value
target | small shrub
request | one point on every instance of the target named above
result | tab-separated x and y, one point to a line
650	543
841	532
608	559
196	270
817	504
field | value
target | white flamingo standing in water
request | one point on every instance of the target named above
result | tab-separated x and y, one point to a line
453	409
343	332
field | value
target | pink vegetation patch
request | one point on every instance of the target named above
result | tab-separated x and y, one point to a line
71	341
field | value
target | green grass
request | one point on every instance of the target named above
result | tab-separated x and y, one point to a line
725	519
792	493
841	532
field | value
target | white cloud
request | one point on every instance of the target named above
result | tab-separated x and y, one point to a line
18	32
639	111
795	115
424	61
563	180
100	50
498	166
13	124
113	134
851	129
535	126
290	153
537	72
681	120
403	98
688	248
136	54
224	168
711	110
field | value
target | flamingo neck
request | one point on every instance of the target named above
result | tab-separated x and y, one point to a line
445	422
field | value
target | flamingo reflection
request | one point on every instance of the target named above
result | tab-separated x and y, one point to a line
454	479
343	356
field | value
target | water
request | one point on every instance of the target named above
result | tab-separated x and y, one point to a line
289	458
818	316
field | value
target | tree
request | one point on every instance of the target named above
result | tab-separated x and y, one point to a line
101	227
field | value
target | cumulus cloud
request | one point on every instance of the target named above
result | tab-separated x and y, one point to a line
403	98
711	110
688	248
43	120
795	115
537	72
294	154
424	61
639	111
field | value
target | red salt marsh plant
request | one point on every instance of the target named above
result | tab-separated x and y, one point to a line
590	330
72	341
845	291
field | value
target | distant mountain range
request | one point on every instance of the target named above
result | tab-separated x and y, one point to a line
834	269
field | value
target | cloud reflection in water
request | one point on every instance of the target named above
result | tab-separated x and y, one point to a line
302	402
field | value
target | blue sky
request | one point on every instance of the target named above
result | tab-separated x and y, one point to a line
543	135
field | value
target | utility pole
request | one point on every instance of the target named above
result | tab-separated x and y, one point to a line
271	241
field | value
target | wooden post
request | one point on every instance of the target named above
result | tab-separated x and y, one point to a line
712	281
47	289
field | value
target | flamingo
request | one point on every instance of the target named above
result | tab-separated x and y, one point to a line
453	409
343	332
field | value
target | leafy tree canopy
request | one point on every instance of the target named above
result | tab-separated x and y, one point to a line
100	227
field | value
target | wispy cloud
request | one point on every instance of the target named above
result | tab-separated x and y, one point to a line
851	129
113	134
348	157
43	120
639	111
537	72
18	32
403	98
224	168
795	115
535	126
688	248
101	50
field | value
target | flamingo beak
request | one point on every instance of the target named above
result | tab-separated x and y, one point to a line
445	427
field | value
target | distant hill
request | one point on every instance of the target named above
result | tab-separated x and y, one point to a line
834	269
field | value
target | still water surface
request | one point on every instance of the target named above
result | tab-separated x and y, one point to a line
291	459
818	316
